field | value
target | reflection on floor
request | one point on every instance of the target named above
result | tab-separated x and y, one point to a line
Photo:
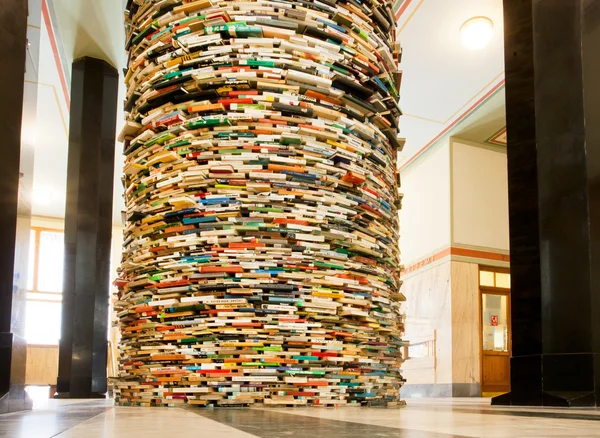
491	394
422	418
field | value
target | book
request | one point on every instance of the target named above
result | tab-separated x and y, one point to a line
260	260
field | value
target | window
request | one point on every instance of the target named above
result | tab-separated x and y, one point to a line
495	322
494	279
44	286
421	349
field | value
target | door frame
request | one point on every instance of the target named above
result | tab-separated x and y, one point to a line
494	291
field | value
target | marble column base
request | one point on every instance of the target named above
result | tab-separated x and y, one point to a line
565	380
13	357
429	390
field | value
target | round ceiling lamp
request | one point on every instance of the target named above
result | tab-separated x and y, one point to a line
476	32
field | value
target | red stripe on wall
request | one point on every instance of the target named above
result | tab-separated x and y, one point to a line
403	8
453	251
455	122
61	72
465	252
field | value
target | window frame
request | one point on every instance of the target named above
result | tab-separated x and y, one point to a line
34	269
36	266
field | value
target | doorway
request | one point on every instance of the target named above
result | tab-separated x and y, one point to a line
495	333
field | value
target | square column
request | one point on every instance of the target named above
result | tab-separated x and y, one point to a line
553	102
88	226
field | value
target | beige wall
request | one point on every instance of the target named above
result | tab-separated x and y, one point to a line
42	365
443	305
425	214
479	195
466	355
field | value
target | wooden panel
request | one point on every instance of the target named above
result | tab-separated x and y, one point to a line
496	373
42	365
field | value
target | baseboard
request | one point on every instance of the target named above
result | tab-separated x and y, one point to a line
418	390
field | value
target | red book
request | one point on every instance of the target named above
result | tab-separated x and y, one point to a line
227	102
243	93
318	354
213	371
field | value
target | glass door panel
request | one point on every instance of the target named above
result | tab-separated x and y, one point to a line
495	322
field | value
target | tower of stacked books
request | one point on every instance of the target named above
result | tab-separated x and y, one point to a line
261	260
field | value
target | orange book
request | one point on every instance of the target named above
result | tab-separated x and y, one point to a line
206	108
172	283
320	96
178	229
227	269
280	167
290	192
173	336
344	334
143	308
169	357
163	372
261	131
246	245
354	178
157	248
313	383
273	122
281	220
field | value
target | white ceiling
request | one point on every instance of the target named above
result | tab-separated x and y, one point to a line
81	28
444	85
441	79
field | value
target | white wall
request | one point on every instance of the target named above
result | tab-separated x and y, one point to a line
425	214
479	195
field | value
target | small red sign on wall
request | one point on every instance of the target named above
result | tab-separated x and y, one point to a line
494	320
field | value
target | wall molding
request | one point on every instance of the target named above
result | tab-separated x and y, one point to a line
488	95
59	58
468	253
487	146
499	138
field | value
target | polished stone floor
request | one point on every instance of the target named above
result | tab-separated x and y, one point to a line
420	419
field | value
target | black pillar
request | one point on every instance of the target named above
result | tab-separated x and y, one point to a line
13	350
553	109
88	225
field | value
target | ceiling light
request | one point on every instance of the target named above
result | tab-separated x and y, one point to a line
42	196
476	32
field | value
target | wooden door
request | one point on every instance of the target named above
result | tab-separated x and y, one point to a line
495	331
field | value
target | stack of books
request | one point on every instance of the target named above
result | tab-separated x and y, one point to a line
261	259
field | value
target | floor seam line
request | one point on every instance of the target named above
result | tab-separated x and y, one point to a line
83	422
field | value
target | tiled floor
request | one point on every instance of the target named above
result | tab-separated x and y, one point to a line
420	419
